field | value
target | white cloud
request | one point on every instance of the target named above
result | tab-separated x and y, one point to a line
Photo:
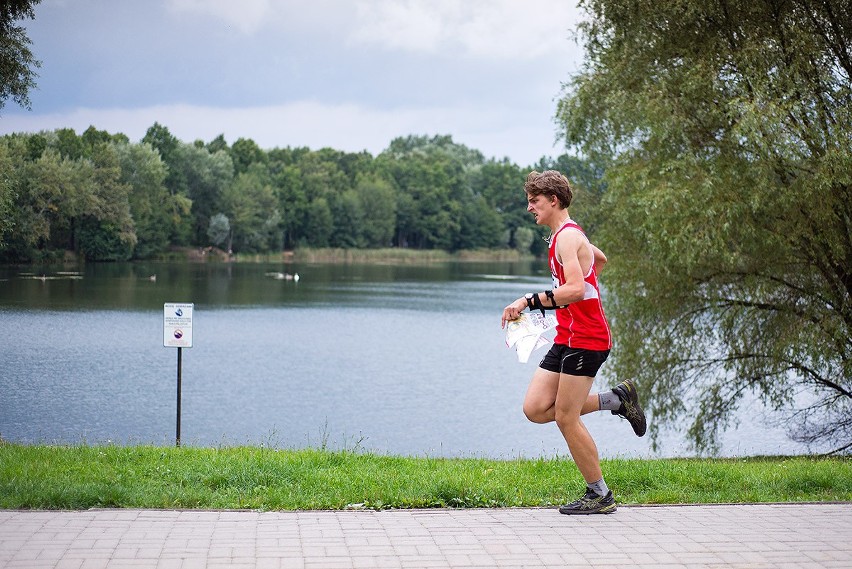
484	29
316	19
493	29
246	15
495	132
402	25
348	75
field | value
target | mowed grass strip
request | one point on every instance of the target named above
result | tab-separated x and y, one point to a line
81	477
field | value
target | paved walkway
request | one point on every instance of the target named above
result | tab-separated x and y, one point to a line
738	536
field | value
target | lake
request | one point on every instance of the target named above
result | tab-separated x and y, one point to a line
404	360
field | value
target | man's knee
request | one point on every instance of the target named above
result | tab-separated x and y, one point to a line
567	419
535	413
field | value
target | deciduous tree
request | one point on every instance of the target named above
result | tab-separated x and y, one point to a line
17	62
726	131
151	207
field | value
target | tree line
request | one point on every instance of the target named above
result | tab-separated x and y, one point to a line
108	199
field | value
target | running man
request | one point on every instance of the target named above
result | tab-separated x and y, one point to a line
560	388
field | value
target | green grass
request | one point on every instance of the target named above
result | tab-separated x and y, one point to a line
81	476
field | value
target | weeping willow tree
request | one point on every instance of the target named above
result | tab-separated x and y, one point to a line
726	130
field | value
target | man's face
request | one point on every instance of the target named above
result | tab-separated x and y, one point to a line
541	207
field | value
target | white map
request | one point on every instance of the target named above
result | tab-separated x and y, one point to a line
525	333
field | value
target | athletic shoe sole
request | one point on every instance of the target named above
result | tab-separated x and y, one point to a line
590	504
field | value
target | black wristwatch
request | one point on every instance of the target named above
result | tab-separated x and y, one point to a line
529	296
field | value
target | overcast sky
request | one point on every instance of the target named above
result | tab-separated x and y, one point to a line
350	75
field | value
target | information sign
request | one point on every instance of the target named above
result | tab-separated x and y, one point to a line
177	325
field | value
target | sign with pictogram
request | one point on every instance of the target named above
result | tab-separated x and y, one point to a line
177	325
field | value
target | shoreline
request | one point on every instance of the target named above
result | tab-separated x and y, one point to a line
389	255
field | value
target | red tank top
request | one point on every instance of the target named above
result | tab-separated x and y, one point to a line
583	323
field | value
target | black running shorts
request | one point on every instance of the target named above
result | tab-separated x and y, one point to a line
573	361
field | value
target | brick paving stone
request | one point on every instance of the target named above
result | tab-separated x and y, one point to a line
771	536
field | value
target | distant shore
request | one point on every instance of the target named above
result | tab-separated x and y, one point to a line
387	255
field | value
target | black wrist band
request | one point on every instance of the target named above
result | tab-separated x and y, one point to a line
549	295
534	301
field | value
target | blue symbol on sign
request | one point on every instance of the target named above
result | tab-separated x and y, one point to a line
178	312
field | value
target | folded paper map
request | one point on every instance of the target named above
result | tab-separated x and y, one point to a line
525	333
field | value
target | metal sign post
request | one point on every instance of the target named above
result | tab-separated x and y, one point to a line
177	333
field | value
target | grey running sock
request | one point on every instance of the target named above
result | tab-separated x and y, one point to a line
599	487
609	401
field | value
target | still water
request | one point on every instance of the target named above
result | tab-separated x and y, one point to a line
406	360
